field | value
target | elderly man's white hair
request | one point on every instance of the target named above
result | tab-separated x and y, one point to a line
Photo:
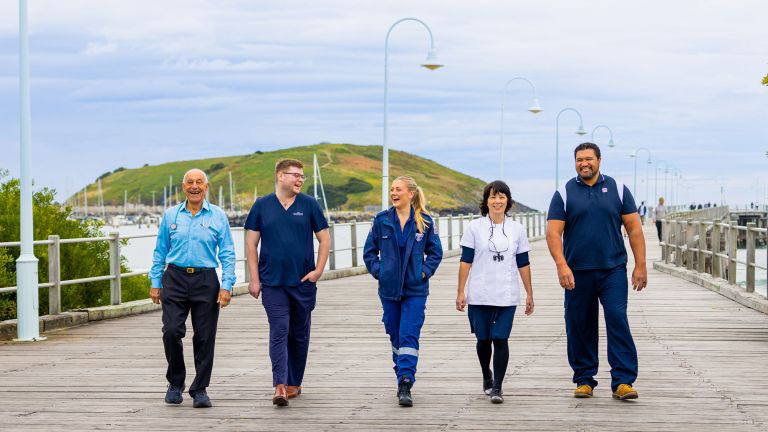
197	171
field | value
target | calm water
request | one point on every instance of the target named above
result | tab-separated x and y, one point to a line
138	252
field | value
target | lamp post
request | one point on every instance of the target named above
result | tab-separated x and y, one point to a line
28	325
535	108
656	179
610	141
579	131
431	64
634	184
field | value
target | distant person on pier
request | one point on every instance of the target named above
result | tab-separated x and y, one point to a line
494	259
659	213
190	236
402	252
584	237
285	272
642	211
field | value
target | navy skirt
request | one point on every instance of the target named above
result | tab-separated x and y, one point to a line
491	322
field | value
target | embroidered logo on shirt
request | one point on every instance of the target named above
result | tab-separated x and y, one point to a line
419	236
605	190
298	213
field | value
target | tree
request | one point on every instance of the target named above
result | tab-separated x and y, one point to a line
765	80
78	260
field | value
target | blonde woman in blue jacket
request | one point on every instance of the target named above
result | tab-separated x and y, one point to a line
402	252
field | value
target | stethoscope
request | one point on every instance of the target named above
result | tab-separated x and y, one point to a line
173	226
497	254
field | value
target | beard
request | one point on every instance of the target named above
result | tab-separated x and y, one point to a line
588	176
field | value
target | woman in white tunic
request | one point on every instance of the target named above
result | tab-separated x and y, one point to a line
494	252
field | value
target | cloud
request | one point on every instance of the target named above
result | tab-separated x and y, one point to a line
100	48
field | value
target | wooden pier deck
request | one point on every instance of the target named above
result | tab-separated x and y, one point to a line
702	367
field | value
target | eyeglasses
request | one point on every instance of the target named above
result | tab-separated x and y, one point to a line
497	257
299	176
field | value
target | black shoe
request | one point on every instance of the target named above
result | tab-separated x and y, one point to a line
404	393
201	400
173	395
487	385
496	396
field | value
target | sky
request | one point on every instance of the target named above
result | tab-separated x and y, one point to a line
118	83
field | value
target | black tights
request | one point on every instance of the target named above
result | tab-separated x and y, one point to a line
500	350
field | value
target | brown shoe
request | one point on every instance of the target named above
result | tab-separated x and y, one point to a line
293	391
281	396
624	392
583	391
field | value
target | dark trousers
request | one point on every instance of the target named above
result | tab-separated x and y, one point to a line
289	312
610	288
403	321
658	229
184	293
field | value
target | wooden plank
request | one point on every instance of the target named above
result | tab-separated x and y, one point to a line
701	368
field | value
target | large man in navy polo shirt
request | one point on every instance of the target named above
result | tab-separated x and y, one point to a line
285	273
585	240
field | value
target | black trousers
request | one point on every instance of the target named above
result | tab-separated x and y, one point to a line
658	229
183	293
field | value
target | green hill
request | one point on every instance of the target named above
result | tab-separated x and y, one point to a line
351	176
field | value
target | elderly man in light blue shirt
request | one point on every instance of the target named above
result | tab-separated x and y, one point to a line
184	277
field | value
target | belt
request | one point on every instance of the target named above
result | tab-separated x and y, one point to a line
191	270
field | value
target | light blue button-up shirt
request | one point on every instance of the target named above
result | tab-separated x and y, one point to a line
187	241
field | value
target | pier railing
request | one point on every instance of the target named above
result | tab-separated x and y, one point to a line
347	241
707	241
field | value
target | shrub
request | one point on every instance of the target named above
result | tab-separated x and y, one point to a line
78	260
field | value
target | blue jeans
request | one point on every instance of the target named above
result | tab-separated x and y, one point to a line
610	288
402	321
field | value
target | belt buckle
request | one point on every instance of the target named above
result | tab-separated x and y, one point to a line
190	270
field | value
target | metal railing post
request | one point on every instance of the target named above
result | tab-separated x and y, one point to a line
679	240
114	268
733	235
716	267
702	246
332	254
353	235
751	240
54	276
450	232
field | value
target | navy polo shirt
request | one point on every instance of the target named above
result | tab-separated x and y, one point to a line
592	237
287	250
402	235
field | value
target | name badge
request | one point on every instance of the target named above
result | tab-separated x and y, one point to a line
419	236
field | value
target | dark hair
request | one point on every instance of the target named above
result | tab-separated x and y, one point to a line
496	186
587	146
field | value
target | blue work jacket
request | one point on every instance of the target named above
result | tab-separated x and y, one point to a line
423	253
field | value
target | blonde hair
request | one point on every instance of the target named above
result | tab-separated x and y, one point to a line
419	202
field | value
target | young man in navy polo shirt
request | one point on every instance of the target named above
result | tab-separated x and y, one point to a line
285	273
585	240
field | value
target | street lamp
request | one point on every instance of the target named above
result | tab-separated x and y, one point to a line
579	131
535	108
610	141
430	63
28	325
634	184
656	180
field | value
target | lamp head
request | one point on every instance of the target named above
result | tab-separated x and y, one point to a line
581	131
431	62
611	144
535	108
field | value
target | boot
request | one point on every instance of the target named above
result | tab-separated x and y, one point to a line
404	393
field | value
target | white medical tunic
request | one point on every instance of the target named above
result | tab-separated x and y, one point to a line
494	282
